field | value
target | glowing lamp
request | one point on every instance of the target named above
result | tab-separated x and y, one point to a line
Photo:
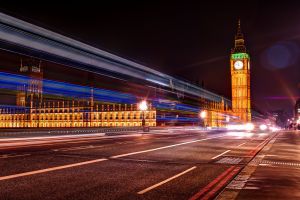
227	119
203	114
143	106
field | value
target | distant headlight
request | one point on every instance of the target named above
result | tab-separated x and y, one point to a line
274	128
249	127
263	127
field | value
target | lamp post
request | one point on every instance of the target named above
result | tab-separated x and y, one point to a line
227	119
143	107
203	116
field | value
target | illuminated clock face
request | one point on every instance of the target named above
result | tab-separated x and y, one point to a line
238	64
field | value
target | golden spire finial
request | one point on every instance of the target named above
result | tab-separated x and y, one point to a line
239	26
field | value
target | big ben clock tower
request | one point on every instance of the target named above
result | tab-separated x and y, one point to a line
240	78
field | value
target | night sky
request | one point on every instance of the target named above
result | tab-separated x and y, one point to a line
189	40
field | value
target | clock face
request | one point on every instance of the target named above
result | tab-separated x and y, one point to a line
238	64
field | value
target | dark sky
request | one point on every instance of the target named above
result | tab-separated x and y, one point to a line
188	40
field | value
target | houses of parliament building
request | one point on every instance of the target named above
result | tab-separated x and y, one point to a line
34	111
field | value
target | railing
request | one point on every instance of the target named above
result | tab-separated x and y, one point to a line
38	132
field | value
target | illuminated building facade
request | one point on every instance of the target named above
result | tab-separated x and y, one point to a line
75	114
240	78
34	111
216	113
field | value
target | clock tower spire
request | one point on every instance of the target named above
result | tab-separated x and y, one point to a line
240	77
239	42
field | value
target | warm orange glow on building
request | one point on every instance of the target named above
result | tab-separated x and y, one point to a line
63	114
34	111
240	78
215	113
40	112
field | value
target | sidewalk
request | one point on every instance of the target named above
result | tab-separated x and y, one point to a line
273	174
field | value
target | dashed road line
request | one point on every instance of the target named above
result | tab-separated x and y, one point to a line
50	169
241	144
267	162
217	156
164	147
165	181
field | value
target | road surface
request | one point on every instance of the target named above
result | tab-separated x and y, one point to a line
165	164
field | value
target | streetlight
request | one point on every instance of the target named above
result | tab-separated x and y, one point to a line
203	115
227	118
143	107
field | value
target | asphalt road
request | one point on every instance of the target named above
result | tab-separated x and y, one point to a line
165	164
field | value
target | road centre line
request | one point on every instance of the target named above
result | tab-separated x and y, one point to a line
165	181
220	154
241	144
50	169
164	147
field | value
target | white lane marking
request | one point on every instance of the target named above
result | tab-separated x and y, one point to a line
251	188
13	156
262	164
159	148
220	154
50	169
165	181
78	148
241	144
